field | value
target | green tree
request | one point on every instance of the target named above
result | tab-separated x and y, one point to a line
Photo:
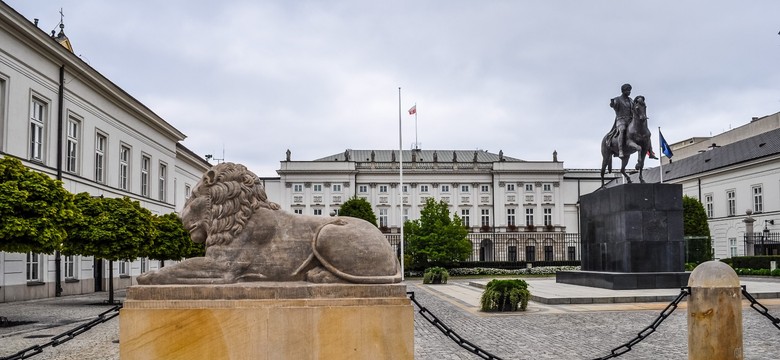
112	229
172	241
34	209
358	208
436	239
696	230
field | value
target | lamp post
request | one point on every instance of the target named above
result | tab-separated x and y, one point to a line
764	237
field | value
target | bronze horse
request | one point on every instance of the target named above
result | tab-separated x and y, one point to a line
637	140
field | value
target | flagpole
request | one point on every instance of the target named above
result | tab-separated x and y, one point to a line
416	144
660	155
401	177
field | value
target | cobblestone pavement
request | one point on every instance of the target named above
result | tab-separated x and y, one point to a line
543	332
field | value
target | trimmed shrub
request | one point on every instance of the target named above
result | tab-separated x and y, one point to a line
505	295
435	275
539	270
752	262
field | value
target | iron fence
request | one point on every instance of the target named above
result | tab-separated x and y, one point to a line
516	249
764	243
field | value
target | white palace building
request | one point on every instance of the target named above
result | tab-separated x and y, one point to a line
62	117
516	210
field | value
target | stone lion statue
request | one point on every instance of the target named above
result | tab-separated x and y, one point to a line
248	238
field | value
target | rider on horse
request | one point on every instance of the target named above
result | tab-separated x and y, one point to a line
623	113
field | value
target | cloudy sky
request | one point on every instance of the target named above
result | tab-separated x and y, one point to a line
525	77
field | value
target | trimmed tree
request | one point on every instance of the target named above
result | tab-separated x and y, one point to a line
358	208
112	229
698	247
171	241
34	209
436	239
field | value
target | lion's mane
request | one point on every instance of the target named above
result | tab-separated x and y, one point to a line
234	194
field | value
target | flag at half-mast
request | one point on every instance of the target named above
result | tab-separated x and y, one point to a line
413	110
665	149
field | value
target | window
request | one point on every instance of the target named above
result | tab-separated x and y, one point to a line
297	187
510	217
124	268
382	217
317	211
100	158
144	265
464	216
424	188
485	218
187	191
163	177
363	189
72	147
733	246
406	214
547	216
37	121
405	188
33	267
317	187
529	216
571	253
124	167
69	263
445	188
510	187
547	187
298	211
145	164
465	188
731	203
529	187
548	253
511	253
708	204
336	188
484	188
530	253
758	199
383	188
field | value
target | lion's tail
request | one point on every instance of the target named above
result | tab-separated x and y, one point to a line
358	279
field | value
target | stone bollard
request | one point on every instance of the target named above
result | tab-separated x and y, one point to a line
714	313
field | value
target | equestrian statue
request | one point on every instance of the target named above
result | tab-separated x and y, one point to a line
629	134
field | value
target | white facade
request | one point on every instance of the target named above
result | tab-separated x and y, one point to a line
740	173
493	193
63	118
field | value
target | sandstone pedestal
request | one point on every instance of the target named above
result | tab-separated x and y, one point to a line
283	320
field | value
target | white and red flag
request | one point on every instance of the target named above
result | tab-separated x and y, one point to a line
413	110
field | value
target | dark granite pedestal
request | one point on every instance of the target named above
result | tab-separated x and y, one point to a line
632	238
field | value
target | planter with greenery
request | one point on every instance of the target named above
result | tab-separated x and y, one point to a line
435	275
505	295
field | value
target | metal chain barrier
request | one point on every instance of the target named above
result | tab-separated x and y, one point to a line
760	308
450	333
622	349
66	336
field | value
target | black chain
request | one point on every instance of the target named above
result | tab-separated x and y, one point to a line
468	345
622	349
760	308
66	336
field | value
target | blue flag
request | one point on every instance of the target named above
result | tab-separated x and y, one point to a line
664	146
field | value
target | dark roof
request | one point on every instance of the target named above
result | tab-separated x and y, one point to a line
752	148
463	156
